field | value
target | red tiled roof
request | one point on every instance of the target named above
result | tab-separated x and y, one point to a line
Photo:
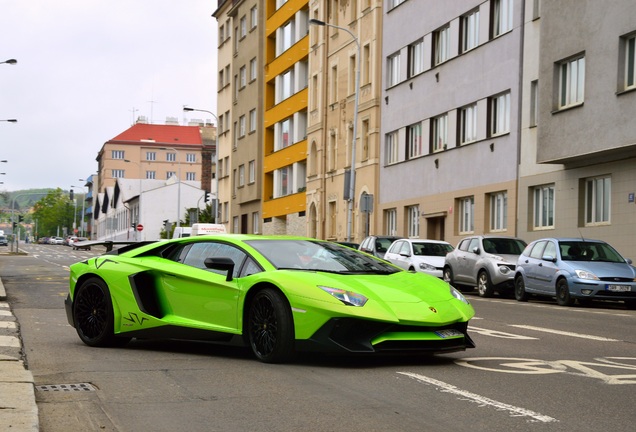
160	134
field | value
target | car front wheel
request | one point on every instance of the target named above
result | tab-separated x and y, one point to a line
520	289
484	286
93	312
270	327
563	297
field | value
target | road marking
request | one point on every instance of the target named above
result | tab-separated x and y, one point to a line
564	333
9	341
7	325
482	400
499	334
5	313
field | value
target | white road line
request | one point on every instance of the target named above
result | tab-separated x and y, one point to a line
500	334
9	341
5	312
7	325
481	400
564	333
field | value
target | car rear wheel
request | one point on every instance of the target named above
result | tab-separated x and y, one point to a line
484	285
563	297
270	327
93	314
520	289
448	275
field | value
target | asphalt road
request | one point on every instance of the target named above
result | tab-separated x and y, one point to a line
537	367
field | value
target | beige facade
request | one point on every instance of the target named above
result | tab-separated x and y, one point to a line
225	131
334	58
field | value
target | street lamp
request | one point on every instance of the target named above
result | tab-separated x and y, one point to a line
178	184
83	210
10	120
352	172
216	161
10	61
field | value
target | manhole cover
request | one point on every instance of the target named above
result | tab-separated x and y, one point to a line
81	387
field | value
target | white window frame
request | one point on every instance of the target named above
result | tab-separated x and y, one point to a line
170	174
241	175
534	103
253	71
251	172
571	82
243	26
416	58
242	77
468	124
414	141
630	62
191	157
151	156
392	146
282	143
502	17
598	200
241	126
118	173
466	215
500	114
390	221
439	133
441	45
151	175
191	176
470	31
171	157
393	69
543	206
499	211
413	221
117	154
253	17
252	120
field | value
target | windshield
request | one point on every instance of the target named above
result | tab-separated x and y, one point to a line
589	251
431	249
504	246
319	256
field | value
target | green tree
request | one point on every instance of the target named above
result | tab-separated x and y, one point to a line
54	211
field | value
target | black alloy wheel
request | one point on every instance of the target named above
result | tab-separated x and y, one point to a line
270	327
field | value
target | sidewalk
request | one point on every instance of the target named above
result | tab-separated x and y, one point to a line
17	390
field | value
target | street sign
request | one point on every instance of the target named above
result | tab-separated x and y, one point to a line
140	227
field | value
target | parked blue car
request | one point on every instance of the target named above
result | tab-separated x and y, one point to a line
575	269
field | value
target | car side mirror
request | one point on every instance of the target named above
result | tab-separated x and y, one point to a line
221	263
405	254
548	258
476	250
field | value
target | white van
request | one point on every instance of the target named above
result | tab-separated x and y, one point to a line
207	228
180	232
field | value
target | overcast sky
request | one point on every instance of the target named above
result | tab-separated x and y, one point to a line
86	69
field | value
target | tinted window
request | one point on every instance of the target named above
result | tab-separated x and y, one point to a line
550	250
537	250
464	245
198	252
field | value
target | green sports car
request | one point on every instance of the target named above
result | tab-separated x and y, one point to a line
275	294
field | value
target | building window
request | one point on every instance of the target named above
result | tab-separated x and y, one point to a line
439	133
117	154
285	129
414	140
191	176
242	77
282	182
251	172
241	175
253	71
470	31
366	65
170	174
286	81
365	140
394	3
151	156
352	75
543	206
630	59
571	82
118	173
466	215
171	157
416	58
256	221
501	16
441	45
286	36
253	17
413	222
333	91
392	148
499	211
468	124
500	114
243	26
390	222
598	193
191	157
534	103
242	126
151	175
253	120
393	69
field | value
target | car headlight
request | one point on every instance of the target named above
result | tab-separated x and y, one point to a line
427	267
503	269
347	297
459	296
584	274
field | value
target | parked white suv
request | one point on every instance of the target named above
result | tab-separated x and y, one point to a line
486	262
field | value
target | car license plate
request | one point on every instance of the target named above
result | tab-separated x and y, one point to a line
618	288
448	333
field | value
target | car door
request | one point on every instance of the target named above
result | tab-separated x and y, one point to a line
469	262
203	295
396	252
465	260
529	262
546	269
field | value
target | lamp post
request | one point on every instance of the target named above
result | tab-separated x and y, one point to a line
10	61
216	161
139	199
352	172
83	210
178	184
10	120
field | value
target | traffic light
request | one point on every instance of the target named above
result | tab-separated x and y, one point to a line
206	198
20	218
15	225
70	195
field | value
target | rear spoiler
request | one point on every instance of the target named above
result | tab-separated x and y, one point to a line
110	244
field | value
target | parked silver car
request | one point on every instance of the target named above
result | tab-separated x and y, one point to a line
425	256
575	268
486	262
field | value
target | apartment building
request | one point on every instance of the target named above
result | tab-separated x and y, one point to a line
225	103
344	69
285	99
577	172
450	118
